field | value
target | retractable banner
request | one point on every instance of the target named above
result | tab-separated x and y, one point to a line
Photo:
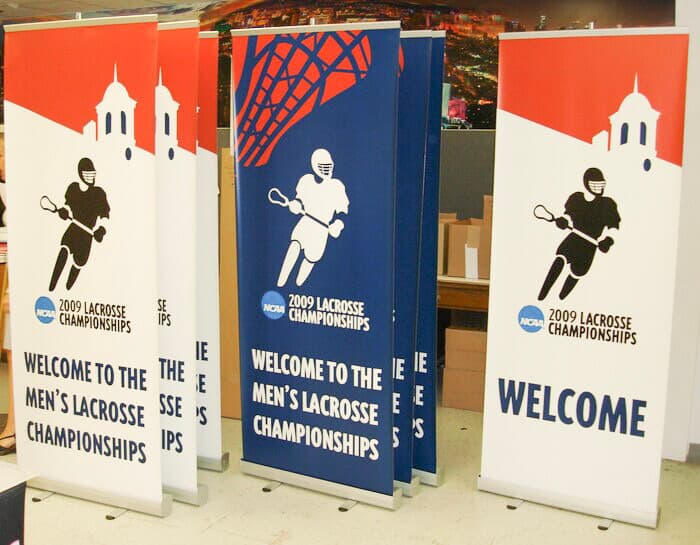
414	88
79	127
209	449
425	396
588	153
315	113
176	174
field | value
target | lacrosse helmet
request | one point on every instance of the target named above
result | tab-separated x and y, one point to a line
322	163
86	171
594	181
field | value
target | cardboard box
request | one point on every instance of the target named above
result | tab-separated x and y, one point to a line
465	360
442	228
485	243
463	389
228	291
472	251
465	339
465	349
485	252
444	219
488	209
459	235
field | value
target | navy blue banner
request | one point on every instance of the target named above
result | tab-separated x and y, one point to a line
414	86
315	133
425	401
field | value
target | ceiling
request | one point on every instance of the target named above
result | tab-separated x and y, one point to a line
15	9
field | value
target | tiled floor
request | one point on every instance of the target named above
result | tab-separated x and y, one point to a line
239	513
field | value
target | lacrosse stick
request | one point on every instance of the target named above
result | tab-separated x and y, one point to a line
48	205
541	213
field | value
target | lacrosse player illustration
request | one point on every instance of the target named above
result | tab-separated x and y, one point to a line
85	205
589	216
317	202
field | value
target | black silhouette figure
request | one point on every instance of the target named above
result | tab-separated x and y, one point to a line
587	215
85	205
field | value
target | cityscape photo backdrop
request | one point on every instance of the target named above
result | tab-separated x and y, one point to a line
471	64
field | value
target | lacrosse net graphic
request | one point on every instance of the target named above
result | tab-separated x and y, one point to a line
282	78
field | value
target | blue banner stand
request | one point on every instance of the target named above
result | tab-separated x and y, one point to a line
414	90
326	487
425	462
315	148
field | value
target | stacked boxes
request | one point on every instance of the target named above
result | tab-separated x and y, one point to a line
464	240
465	367
468	244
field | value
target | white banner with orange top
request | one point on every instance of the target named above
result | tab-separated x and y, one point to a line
586	204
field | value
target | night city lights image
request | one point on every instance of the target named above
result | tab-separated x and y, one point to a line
473	26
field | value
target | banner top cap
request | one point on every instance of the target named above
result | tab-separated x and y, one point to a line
645	31
209	34
174	25
416	34
381	25
96	21
439	33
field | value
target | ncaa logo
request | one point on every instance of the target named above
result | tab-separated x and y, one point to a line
272	305
45	310
531	319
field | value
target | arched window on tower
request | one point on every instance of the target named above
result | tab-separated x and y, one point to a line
108	123
643	133
624	133
123	122
167	124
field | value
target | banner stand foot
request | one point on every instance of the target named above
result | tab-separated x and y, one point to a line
605	524
409	489
430	479
214	464
514	504
599	510
45	495
272	485
161	508
198	498
116	513
346	492
347	505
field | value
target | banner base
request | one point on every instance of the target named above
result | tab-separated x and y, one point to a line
197	498
214	464
430	479
159	509
409	490
580	505
326	487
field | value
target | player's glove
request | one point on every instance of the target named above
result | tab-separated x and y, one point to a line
63	213
295	207
605	244
336	228
562	222
100	233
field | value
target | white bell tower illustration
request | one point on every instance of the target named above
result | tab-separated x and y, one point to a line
633	127
166	120
115	117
